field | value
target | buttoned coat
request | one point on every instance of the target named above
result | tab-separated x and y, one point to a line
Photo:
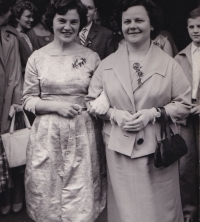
10	75
100	40
164	84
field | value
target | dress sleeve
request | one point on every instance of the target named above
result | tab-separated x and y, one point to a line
95	86
31	92
95	60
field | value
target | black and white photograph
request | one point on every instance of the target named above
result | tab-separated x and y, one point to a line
99	110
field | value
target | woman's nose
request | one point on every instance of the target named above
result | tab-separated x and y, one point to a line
133	25
67	25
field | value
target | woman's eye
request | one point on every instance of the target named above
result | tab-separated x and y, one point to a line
126	22
139	20
74	22
62	21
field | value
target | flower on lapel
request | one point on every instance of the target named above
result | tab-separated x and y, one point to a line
78	62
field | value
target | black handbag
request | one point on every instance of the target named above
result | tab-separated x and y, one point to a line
172	147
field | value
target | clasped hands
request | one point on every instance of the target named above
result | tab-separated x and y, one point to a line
133	122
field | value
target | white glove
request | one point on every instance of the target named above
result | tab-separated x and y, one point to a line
100	105
120	117
140	119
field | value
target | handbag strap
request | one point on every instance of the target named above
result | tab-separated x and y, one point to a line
165	128
27	123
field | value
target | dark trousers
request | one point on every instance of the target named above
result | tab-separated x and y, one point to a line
188	168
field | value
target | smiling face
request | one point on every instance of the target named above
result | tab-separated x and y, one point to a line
136	25
194	30
26	20
89	4
66	26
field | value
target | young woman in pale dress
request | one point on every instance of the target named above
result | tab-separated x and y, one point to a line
65	174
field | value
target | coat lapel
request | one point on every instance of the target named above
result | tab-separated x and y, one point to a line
152	64
121	68
91	35
187	52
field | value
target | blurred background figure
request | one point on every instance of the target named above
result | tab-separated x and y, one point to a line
162	42
23	17
189	59
10	99
40	35
96	37
97	18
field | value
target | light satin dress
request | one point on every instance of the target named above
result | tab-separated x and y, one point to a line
65	176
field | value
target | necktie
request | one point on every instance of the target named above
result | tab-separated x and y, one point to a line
82	36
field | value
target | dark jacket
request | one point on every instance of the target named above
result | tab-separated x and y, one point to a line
100	40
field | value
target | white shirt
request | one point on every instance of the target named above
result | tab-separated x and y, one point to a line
87	30
195	52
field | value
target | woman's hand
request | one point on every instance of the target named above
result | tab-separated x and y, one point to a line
67	109
121	117
195	109
18	108
140	120
100	105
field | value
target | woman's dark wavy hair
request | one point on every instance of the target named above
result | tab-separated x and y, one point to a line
19	7
61	7
22	5
154	13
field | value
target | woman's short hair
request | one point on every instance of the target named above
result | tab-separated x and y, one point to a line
194	13
21	5
154	13
61	7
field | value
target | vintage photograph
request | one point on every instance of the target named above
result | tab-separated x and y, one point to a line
99	110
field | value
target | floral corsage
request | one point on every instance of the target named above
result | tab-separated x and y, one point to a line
78	62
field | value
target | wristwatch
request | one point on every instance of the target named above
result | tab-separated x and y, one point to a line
158	113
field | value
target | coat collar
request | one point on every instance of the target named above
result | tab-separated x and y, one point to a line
187	52
152	64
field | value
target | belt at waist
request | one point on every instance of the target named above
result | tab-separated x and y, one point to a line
80	100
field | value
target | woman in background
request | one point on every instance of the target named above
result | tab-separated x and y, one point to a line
65	172
40	35
23	15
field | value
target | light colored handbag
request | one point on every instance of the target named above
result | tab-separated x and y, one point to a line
15	143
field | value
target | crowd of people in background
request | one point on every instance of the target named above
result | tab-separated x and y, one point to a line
73	71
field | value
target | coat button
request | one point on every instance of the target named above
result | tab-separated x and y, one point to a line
140	141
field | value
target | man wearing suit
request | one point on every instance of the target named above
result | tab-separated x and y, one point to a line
95	37
189	59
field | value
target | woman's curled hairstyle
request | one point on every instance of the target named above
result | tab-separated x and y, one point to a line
154	13
61	7
19	7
